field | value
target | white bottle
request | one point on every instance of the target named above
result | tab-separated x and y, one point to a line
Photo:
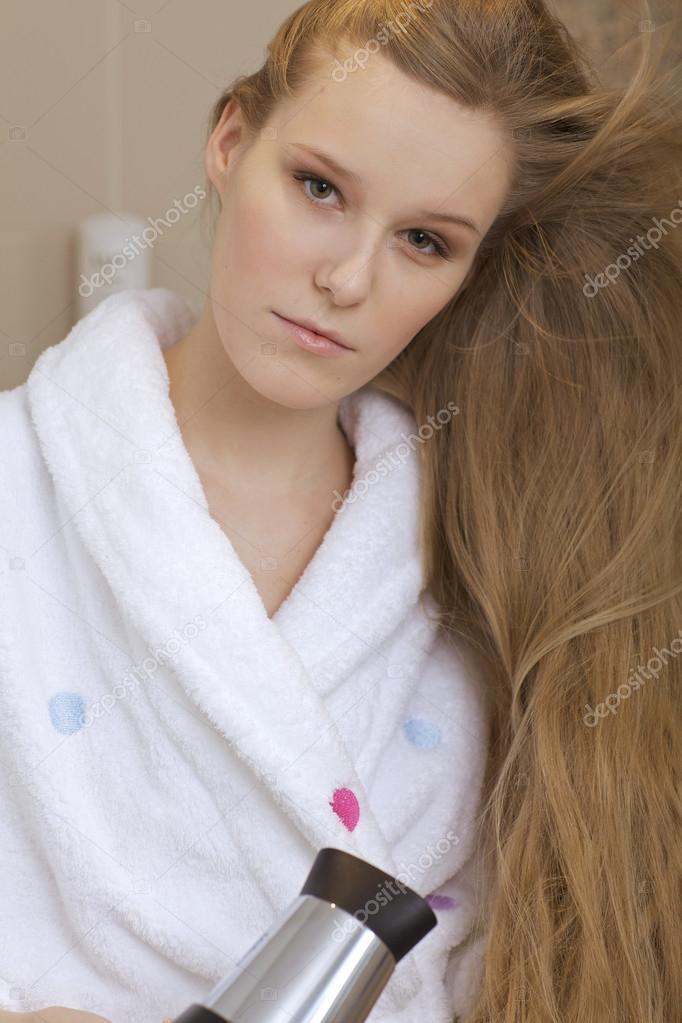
113	254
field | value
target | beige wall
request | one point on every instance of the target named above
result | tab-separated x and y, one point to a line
103	108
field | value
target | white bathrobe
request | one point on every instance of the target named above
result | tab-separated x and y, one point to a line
173	759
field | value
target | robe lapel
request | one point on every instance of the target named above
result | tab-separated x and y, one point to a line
108	433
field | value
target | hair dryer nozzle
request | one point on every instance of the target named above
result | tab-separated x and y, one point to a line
400	917
329	956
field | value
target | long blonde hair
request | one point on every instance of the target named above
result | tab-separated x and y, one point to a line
551	502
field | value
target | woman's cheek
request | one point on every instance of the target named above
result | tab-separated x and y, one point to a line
267	233
398	330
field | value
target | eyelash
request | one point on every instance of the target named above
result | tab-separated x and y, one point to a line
441	248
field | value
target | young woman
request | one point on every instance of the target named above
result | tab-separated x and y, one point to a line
423	585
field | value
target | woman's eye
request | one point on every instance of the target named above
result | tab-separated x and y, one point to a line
305	178
440	248
436	242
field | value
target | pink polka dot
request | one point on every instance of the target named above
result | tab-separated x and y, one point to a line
441	902
345	805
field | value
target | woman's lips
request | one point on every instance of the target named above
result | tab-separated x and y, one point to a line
310	341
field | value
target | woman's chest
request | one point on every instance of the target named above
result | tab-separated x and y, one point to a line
275	540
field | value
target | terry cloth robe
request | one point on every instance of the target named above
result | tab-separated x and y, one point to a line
172	758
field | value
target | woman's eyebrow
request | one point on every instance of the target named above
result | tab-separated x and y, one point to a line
343	172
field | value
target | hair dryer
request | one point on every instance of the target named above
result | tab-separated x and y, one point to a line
331	953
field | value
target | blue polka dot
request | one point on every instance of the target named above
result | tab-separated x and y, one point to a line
422	733
66	710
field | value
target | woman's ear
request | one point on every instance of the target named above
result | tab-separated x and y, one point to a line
222	147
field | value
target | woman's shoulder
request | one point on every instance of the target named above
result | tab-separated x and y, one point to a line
29	512
453	678
15	418
22	470
13	404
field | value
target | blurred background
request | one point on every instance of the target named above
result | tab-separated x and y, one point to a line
104	109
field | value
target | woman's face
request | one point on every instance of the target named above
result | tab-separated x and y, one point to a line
357	257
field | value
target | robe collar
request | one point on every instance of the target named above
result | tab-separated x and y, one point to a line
107	429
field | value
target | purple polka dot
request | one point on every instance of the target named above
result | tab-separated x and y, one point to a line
441	902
